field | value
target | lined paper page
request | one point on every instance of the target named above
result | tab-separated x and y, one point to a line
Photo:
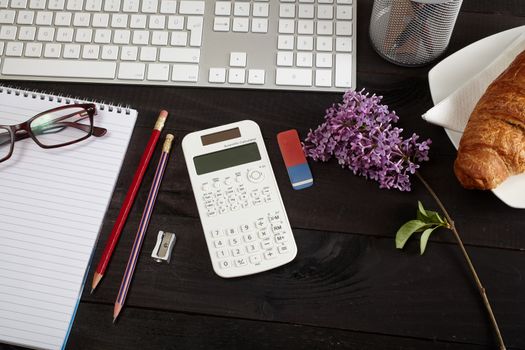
52	203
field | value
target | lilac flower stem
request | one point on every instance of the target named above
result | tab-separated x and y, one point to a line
482	291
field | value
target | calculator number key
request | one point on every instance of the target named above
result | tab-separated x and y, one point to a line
237	252
225	264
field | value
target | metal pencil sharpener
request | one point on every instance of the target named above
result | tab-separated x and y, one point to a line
163	247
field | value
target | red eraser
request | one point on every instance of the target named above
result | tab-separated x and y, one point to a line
291	149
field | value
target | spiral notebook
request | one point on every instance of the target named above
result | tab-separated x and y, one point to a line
52	204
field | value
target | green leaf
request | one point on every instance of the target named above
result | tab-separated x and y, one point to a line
424	238
405	231
429	216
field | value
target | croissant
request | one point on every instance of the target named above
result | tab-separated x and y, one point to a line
492	147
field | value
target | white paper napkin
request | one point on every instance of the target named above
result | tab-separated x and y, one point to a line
454	111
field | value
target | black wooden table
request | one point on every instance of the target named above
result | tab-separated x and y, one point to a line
348	287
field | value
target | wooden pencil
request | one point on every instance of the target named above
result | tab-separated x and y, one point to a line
143	227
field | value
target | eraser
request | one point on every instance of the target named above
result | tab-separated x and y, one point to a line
294	159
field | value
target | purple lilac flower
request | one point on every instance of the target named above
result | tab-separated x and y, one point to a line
360	134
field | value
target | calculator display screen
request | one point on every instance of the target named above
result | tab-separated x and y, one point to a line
227	158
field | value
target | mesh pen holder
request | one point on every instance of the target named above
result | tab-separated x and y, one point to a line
412	32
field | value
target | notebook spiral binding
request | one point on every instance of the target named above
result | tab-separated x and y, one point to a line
67	99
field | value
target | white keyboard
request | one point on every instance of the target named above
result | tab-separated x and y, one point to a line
268	44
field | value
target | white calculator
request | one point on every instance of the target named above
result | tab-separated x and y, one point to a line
241	210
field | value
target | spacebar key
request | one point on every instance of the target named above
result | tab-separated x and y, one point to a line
59	68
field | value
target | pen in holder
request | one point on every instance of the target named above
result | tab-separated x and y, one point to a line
412	32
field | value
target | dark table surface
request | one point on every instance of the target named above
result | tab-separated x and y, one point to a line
348	287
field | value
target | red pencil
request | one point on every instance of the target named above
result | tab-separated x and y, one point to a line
128	202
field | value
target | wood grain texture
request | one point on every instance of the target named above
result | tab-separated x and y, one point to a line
349	287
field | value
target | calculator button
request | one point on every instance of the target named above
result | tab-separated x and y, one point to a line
211	213
252	248
245	228
263	234
225	264
255	194
219	243
277	228
234	241
229	191
241	189
270	254
215	233
237	251
249	237
232	199
208	196
223	209
238	178
267	199
216	184
282	249
205	187
221	201
260	223
245	205
255	175
255	259
234	207
228	181
275	217
222	253
257	201
280	238
266	244
230	231
241	262
266	191
243	197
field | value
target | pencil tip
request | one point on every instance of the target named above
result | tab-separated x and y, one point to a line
114	320
96	280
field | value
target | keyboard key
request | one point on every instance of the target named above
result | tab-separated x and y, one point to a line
44	18
285	42
234	241
131	71
149	6
223	8
27	33
252	248
157	22
260	25
304	59
324	43
241	25
91	5
344	12
343	28
7	16
238	59
285	59
47	34
119	20
293	76
324	28
176	22
236	76
343	70
109	52
323	77
138	22
89	52
249	237
72	51
179	38
8	32
287	10
325	12
168	6
286	26
59	68
14	49
306	11
128	53
181	55
25	17
72	5
120	36
305	43
194	25
283	249
260	10
185	73
32	49
213	233
263	234
131	6
221	24
18	4
323	60
100	20
159	38
38	4
191	7
256	77
79	20
305	26
241	9
148	54
343	44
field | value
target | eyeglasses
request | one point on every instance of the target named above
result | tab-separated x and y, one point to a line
57	127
